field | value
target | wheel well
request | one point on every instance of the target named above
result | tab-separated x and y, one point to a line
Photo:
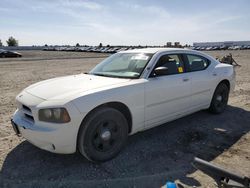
225	82
118	106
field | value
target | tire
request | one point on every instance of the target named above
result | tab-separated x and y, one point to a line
102	136
220	99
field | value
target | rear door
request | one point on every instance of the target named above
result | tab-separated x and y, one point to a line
169	95
200	85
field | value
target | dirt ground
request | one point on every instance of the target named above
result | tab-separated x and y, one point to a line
149	159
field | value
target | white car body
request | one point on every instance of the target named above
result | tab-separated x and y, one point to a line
151	101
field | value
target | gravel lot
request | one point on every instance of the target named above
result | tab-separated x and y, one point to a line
149	159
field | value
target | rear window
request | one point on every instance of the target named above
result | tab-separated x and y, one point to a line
197	63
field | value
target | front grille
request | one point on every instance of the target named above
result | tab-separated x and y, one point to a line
26	108
27	113
29	117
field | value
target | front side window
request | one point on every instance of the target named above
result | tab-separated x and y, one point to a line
122	65
197	63
173	63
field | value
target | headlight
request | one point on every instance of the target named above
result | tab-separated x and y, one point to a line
55	115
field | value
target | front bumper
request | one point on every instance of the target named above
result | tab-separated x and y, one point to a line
53	137
56	140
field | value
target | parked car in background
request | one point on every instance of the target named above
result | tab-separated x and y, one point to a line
104	50
215	48
237	48
121	49
6	54
245	47
128	92
209	48
223	47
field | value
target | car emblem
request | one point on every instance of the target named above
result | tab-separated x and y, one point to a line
20	95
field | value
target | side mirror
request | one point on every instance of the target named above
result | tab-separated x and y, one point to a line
159	71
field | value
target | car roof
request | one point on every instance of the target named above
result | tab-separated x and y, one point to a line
154	50
174	50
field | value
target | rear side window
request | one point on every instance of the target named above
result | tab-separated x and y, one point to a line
197	63
173	62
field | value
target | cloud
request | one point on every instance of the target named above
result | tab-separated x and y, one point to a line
226	19
81	4
92	5
144	10
52	6
118	22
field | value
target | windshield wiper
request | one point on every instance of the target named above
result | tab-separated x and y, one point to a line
111	76
100	74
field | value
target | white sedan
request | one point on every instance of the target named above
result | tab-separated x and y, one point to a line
128	92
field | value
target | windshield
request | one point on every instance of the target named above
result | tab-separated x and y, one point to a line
122	65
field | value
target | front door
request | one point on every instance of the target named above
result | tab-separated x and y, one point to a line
167	96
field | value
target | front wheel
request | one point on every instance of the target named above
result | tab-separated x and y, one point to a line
103	134
220	99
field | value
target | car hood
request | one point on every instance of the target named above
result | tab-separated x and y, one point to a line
63	87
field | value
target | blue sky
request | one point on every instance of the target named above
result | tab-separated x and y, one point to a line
130	22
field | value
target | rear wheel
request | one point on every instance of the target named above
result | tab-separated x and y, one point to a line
103	134
220	99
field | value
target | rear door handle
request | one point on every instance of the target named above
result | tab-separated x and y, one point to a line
185	79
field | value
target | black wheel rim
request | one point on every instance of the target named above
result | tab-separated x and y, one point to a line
221	100
106	136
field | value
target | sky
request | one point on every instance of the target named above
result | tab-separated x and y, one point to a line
130	22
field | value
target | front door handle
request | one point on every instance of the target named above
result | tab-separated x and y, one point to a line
185	79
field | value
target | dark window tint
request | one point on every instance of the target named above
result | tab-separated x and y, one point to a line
172	62
197	63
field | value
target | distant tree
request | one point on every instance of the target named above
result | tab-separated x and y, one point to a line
108	45
12	41
100	45
1	44
46	45
77	45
